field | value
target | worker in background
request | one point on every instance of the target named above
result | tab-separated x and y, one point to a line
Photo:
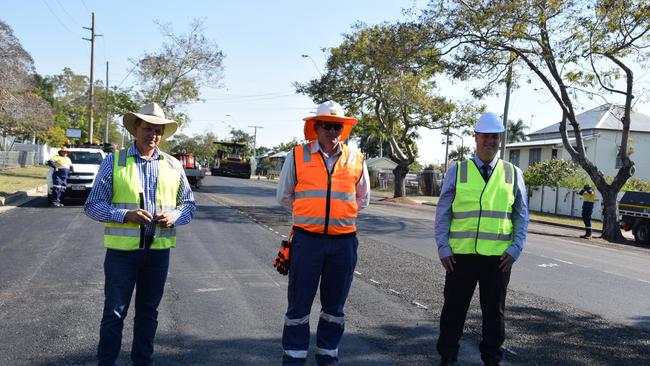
480	230
62	166
589	197
324	184
142	194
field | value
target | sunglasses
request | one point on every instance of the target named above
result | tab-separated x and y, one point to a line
331	126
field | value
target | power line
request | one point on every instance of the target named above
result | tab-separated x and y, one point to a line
66	12
57	18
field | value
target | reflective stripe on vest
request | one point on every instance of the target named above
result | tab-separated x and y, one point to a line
324	204
482	212
126	189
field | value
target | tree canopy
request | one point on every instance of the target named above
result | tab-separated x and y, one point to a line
173	76
577	49
23	112
383	74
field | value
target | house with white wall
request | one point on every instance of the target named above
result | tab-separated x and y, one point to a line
601	135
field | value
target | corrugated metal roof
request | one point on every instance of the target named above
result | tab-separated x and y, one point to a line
604	117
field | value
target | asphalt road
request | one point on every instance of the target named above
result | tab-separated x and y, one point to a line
572	302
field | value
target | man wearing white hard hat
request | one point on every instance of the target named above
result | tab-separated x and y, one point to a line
142	195
480	231
324	184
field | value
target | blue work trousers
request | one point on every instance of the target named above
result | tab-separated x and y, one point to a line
146	271
59	183
332	261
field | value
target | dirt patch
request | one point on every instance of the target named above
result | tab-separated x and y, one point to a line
400	201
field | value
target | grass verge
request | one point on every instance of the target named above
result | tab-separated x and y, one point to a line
13	180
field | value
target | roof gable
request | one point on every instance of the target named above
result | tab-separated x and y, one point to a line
604	117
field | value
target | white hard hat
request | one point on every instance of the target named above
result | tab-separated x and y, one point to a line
329	111
489	122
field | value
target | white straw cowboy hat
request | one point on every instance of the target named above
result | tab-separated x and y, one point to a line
153	114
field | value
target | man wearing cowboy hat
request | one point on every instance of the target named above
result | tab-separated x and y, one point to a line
141	194
62	166
324	184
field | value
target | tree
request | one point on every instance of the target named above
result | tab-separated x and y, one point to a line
201	146
460	153
173	76
576	48
384	75
67	95
23	112
516	131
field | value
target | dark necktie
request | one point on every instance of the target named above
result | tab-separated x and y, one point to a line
484	173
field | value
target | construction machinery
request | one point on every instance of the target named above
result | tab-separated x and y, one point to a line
231	160
192	169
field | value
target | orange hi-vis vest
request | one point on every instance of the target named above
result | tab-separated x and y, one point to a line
326	203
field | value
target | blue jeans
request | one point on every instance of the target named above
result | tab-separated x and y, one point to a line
146	271
330	261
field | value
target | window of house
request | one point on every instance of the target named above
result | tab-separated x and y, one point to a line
513	157
534	156
554	154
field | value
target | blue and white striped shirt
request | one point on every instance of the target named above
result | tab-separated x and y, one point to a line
98	205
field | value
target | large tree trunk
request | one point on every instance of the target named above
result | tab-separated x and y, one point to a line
611	228
399	173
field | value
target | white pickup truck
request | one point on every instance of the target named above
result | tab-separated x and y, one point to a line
85	162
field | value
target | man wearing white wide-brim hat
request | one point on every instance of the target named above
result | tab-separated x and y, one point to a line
324	184
142	195
480	230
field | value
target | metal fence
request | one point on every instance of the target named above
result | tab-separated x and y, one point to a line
425	183
12	159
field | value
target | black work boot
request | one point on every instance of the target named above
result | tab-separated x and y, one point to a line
587	234
444	361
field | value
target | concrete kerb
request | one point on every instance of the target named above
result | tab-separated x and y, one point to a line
23	196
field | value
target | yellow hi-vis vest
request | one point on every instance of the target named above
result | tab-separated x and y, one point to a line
482	212
589	197
126	194
61	161
326	203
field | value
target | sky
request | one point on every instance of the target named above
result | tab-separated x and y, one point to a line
263	42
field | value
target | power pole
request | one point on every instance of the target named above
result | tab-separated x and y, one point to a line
91	91
107	112
255	139
506	107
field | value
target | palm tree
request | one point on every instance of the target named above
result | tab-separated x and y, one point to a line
516	131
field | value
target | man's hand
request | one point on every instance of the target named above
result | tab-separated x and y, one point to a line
139	216
448	263
165	219
506	262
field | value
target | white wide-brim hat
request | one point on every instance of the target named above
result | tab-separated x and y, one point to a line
153	114
329	111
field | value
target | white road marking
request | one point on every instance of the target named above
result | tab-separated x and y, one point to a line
559	260
395	292
209	289
548	265
420	305
357	273
375	282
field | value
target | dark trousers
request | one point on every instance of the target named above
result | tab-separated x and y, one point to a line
146	271
469	270
332	261
587	210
